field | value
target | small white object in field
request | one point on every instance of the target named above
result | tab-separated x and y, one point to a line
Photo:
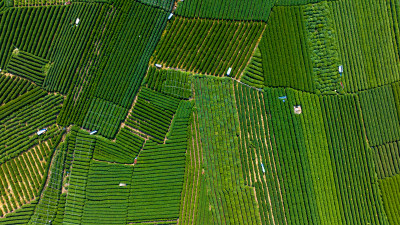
297	109
229	71
42	131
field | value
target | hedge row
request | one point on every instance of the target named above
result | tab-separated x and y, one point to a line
323	47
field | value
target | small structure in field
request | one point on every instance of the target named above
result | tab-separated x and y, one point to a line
135	161
283	98
93	132
122	184
67	3
262	167
340	70
297	109
42	131
170	16
228	73
15	52
77	21
159	66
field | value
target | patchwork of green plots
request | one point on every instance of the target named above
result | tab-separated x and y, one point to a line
173	147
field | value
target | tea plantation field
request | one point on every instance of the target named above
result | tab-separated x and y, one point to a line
200	112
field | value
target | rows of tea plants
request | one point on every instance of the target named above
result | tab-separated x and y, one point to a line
286	58
21	101
387	159
59	217
357	187
391	198
124	150
226	9
314	139
159	99
367	48
22	3
299	198
18	130
164	4
177	84
21	215
256	148
229	200
4	4
208	46
129	53
28	66
110	64
396	94
158	175
171	82
105	117
12	87
31	29
296	2
152	114
190	200
80	81
385	127
47	207
23	177
394	7
323	47
72	44
253	74
106	201
80	152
